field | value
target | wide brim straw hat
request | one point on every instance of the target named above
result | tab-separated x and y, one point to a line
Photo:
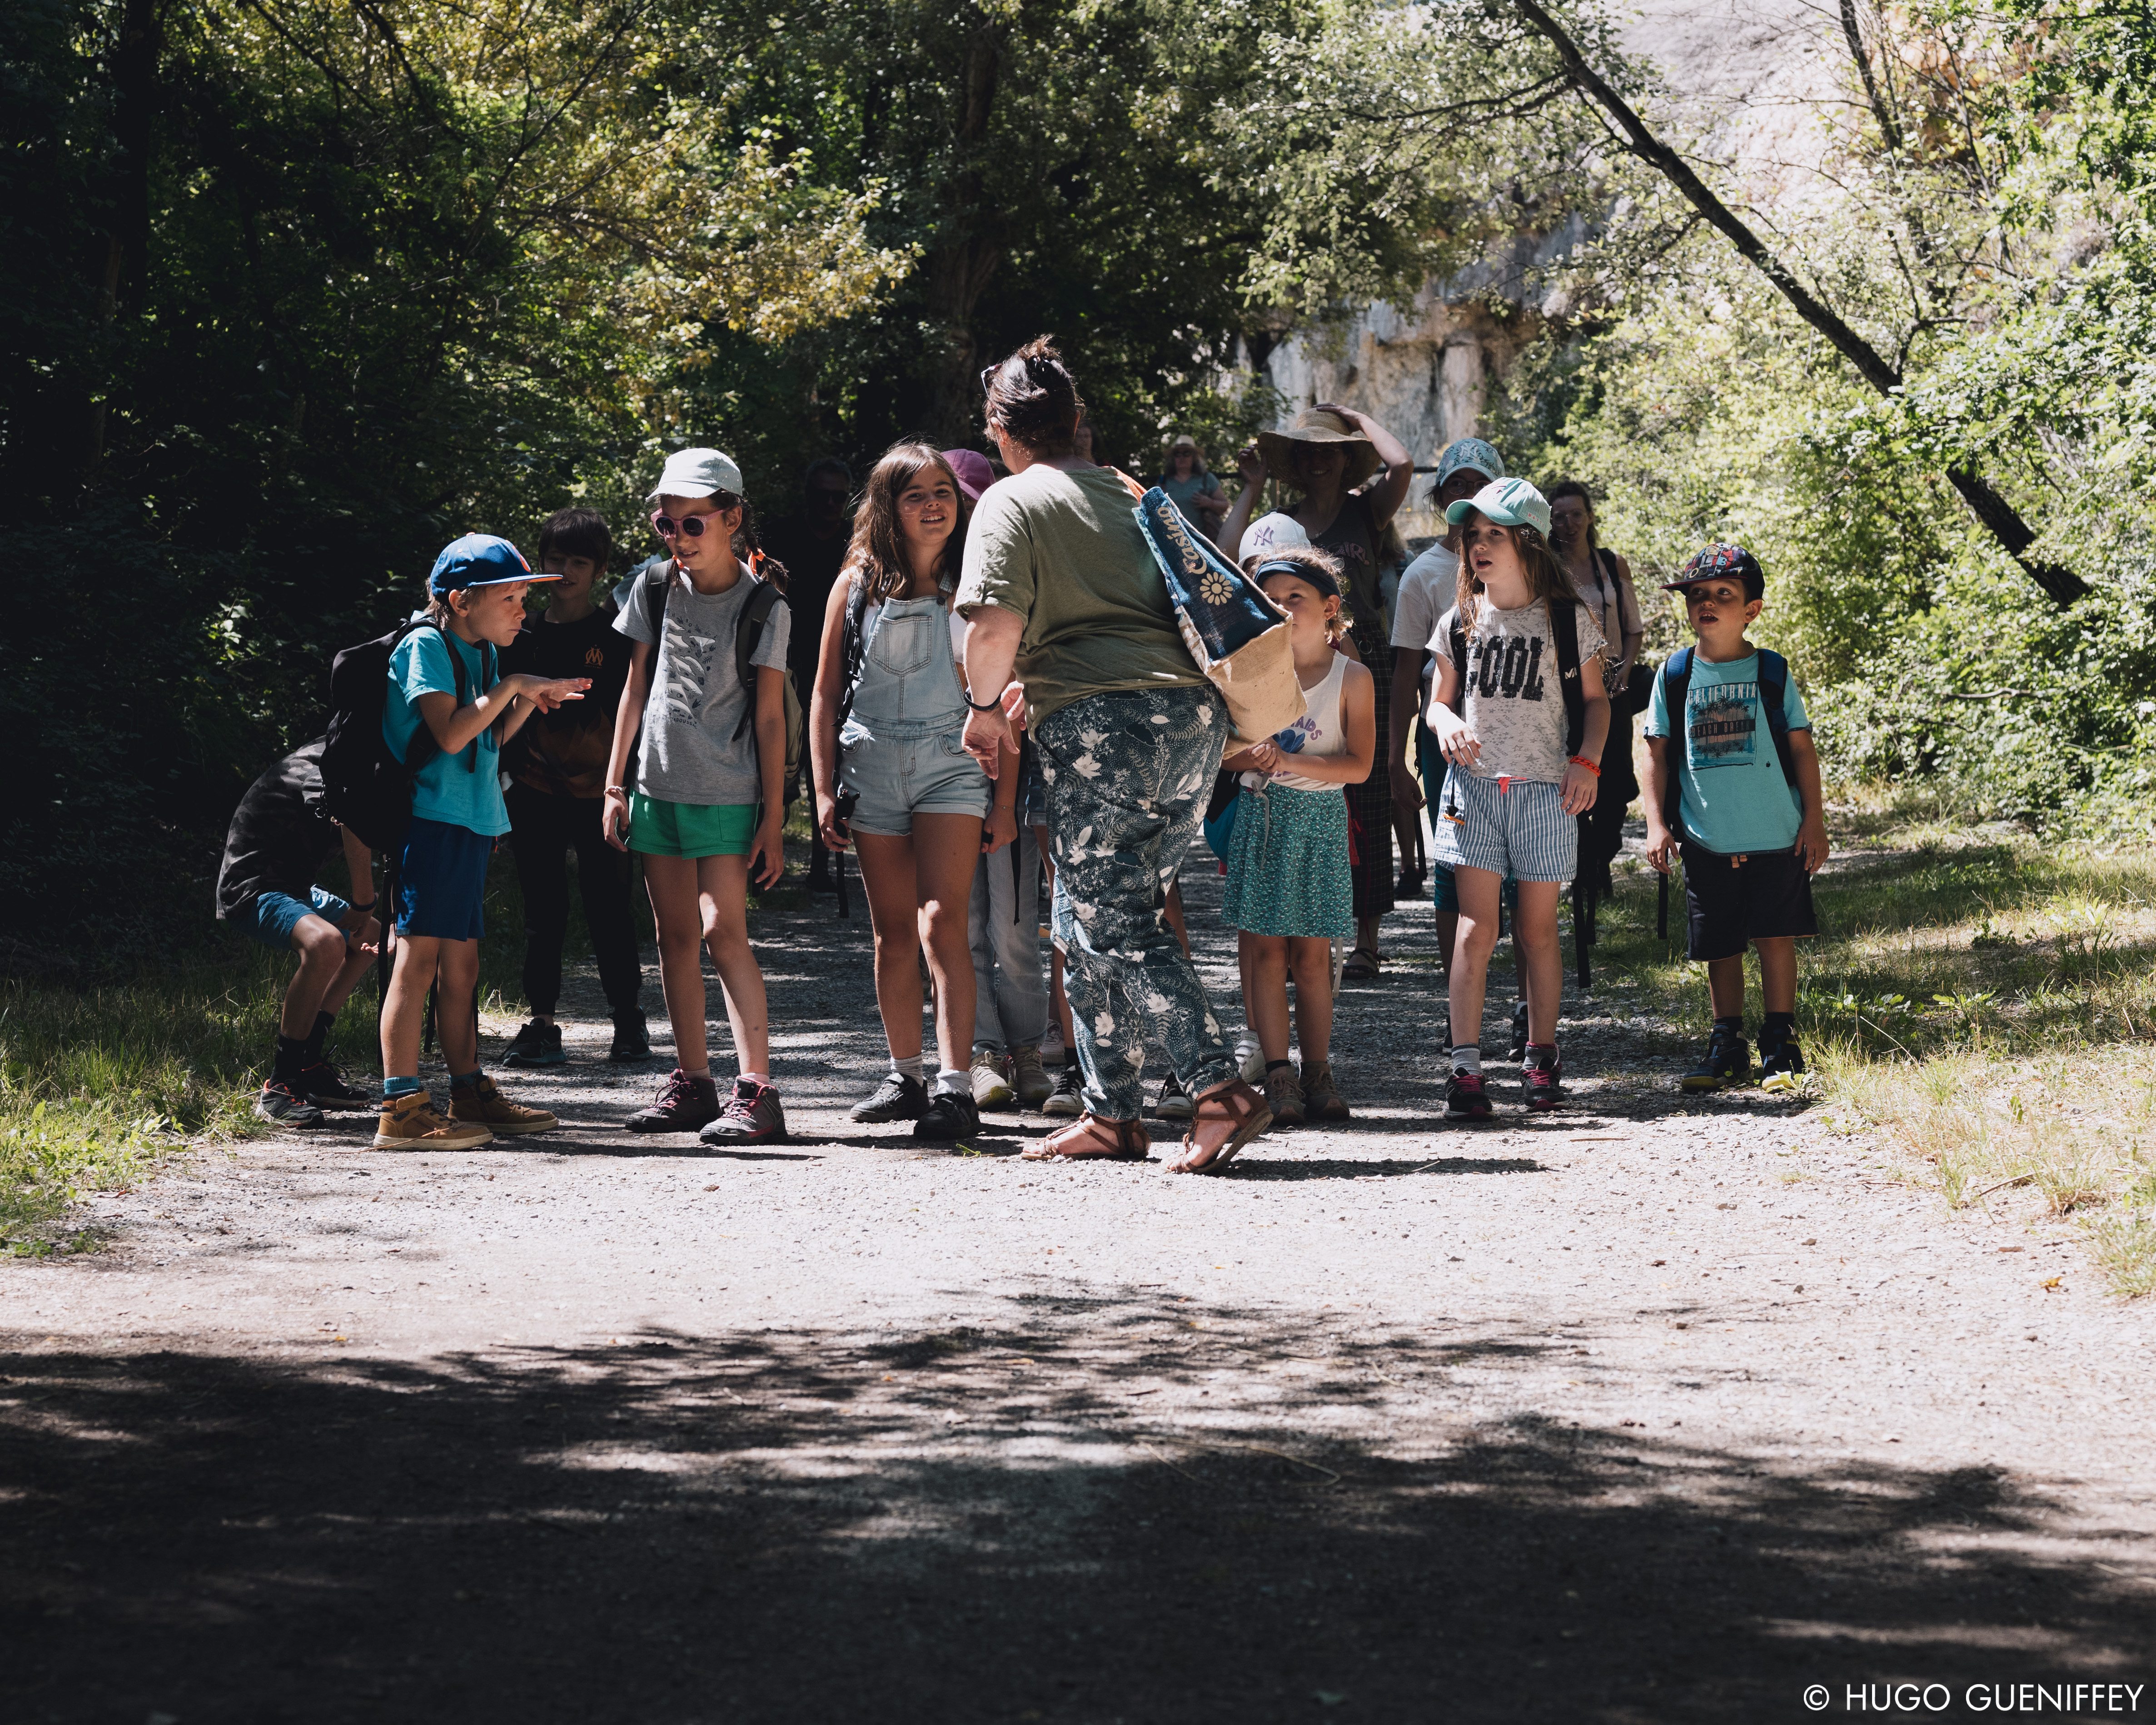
1314	425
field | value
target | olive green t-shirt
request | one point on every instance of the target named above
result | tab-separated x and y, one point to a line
1064	551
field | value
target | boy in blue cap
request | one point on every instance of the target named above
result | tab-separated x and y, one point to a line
443	677
1741	801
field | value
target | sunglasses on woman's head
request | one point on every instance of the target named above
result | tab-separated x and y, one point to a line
666	526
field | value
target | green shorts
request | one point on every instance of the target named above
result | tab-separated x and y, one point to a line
657	828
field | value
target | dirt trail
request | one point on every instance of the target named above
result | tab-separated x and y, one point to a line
1654	1410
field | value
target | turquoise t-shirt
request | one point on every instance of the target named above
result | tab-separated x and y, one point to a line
443	790
1734	797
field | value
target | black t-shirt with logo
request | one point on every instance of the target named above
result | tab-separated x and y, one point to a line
564	752
281	834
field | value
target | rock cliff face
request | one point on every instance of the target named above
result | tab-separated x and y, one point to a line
1747	78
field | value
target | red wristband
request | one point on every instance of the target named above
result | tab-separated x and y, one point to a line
1582	761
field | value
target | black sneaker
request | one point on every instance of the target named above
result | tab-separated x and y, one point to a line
1543	1077
683	1105
1519	1030
322	1084
536	1044
281	1104
632	1041
900	1096
1068	1095
1465	1098
1727	1061
753	1114
1781	1066
951	1114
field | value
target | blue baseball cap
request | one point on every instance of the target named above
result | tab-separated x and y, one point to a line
479	560
1509	502
1722	561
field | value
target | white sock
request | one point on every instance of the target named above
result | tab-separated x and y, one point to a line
1467	1058
910	1067
758	1079
703	1072
951	1084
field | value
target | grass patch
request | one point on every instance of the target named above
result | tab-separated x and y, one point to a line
1983	1006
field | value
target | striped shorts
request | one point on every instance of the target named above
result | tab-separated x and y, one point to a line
1520	829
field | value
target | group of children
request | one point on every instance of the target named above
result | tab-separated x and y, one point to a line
662	721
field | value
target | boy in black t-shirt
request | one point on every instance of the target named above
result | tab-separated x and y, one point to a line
557	766
280	837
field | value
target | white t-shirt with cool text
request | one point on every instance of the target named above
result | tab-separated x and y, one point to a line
1513	698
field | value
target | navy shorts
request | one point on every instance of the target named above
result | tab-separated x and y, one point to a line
271	916
441	882
1730	901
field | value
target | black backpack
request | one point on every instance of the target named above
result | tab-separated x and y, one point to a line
363	785
1773	693
658	578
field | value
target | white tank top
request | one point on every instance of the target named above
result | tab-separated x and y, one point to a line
1318	732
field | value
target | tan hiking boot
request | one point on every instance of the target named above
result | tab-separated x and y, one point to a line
1284	1096
1321	1094
991	1082
482	1104
409	1122
1029	1078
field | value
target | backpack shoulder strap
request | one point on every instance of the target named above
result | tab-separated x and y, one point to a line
1459	666
1564	635
748	632
852	646
1774	697
1676	678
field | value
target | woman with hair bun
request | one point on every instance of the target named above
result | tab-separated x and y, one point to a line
1061	590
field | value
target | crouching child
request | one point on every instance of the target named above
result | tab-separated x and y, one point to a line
280	835
443	676
1740	802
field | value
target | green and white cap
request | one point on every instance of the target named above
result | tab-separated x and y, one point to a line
1509	502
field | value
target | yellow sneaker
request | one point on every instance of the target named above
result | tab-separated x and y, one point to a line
483	1104
409	1122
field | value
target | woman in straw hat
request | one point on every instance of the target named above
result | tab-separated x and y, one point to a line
1195	491
1353	475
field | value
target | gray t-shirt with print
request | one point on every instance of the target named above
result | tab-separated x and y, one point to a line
689	752
1514	702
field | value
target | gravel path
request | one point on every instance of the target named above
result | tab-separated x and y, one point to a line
1654	1410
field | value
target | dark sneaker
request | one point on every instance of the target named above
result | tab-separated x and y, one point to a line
898	1097
1321	1093
536	1044
684	1104
282	1105
1519	1030
1068	1095
1174	1103
1284	1096
1727	1060
950	1114
324	1086
1781	1066
1543	1075
752	1116
632	1040
1409	885
1465	1098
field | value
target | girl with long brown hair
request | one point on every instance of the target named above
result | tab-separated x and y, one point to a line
895	783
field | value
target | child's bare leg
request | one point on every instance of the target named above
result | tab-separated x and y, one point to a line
1310	958
1057	998
678	922
453	1021
722	907
887	872
1172	909
320	943
418	956
1264	991
1778	974
1725	984
1474	942
946	849
357	961
1534	937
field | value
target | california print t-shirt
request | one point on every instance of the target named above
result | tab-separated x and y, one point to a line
1513	698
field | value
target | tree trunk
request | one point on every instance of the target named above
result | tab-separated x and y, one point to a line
1999	518
123	274
968	247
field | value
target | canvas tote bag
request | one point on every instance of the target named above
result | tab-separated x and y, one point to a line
1238	637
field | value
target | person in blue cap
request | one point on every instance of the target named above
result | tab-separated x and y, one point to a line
444	677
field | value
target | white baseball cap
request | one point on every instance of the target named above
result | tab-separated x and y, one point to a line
1271	533
697	473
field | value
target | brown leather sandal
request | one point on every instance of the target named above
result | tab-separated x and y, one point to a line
1080	1140
1242	1107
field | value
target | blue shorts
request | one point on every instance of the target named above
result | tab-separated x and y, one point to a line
441	882
898	777
1518	829
271	916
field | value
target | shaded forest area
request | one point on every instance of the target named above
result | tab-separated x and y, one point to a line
298	290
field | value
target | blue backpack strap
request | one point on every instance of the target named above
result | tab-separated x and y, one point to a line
1774	697
1676	678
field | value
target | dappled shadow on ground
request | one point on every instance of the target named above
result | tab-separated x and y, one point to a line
1032	1519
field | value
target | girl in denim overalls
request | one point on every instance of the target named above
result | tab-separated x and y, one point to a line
897	784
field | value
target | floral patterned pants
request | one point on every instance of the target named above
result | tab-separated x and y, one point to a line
1127	777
